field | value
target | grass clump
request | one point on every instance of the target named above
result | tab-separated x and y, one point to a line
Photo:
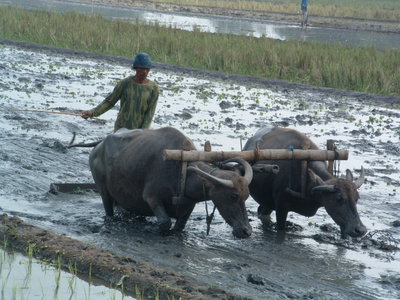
347	67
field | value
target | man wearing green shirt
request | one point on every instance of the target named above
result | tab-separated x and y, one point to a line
138	96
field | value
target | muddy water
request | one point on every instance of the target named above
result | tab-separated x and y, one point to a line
220	24
311	262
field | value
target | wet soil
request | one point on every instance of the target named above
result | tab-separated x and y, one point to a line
314	20
311	262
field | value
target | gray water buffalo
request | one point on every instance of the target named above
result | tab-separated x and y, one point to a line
129	170
281	192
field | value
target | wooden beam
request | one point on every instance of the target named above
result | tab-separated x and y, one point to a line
261	154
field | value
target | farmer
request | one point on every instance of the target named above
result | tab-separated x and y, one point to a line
304	4
138	97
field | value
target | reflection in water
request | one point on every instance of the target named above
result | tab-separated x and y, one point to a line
177	21
220	24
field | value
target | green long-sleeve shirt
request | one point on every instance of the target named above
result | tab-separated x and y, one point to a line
137	106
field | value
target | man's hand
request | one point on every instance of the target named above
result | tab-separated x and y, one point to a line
87	114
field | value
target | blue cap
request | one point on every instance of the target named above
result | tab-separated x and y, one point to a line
142	60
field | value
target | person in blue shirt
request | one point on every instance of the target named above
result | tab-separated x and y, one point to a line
304	4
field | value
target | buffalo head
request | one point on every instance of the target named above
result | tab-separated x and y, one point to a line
229	191
339	196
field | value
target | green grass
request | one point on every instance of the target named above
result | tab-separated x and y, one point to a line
354	68
371	9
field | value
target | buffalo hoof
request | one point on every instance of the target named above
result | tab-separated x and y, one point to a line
164	228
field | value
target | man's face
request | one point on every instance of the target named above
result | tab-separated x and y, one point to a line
141	73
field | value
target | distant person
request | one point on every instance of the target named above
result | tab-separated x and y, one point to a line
138	97
304	4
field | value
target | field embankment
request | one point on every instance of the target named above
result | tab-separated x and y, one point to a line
353	68
132	277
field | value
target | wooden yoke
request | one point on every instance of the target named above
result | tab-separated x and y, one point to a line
261	154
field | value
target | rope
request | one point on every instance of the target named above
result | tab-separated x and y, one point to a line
51	112
48	111
336	165
210	217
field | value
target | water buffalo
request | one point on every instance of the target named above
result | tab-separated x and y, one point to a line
281	192
129	170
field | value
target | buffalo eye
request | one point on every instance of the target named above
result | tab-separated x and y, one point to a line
234	197
339	198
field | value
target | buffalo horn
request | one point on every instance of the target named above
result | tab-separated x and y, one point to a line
294	193
213	179
248	170
361	179
315	180
324	188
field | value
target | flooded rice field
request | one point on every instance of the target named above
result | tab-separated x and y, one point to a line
311	263
24	277
211	22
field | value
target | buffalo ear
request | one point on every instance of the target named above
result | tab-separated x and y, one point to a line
314	179
349	175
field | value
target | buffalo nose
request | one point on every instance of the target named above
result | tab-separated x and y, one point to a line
360	231
242	233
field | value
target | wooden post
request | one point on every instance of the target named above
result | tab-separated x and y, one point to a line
330	144
207	146
304	166
262	154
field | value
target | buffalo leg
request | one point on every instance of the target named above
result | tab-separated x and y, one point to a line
264	214
164	221
281	216
183	215
108	202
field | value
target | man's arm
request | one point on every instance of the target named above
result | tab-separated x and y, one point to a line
106	104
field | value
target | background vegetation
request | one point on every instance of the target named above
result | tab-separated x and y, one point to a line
371	9
355	68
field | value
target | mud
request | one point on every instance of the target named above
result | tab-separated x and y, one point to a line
310	262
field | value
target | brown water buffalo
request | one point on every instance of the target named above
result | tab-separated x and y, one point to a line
129	170
281	192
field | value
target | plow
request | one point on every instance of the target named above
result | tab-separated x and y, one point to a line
331	155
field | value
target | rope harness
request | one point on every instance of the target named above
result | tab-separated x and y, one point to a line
210	217
336	165
181	188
